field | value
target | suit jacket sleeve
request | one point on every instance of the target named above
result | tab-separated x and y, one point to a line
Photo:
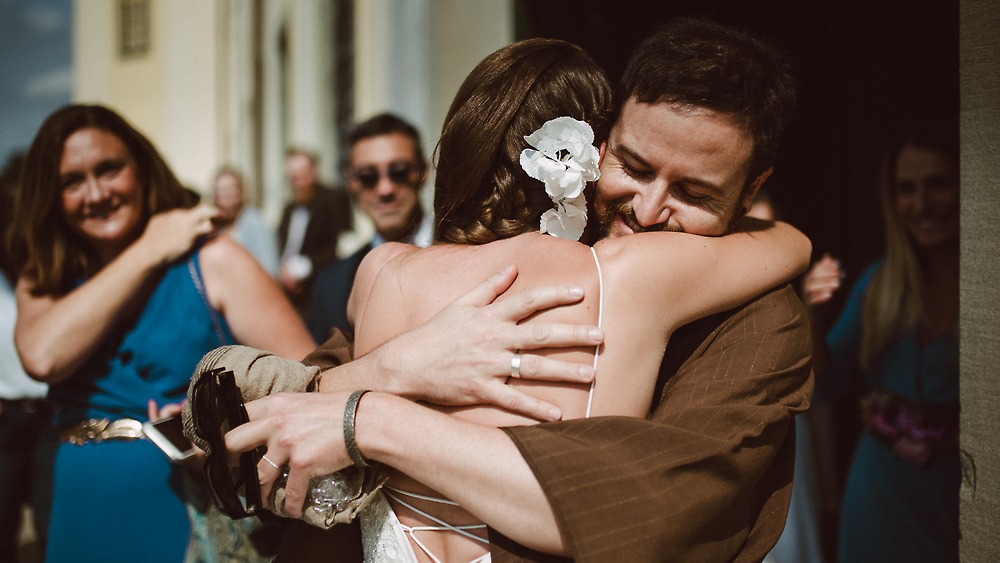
336	351
331	289
708	476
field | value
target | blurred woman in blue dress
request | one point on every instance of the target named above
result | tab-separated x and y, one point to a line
122	289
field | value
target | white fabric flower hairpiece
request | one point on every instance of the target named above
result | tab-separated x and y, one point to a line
564	158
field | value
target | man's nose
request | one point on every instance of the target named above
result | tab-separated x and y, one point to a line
651	208
385	186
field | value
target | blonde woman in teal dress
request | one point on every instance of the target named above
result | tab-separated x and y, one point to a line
898	337
121	290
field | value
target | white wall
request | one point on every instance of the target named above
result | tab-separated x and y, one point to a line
166	94
412	55
197	97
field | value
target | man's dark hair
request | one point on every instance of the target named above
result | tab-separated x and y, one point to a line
698	63
386	124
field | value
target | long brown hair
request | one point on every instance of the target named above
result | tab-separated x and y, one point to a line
40	243
481	193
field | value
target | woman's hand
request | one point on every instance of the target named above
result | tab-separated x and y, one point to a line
822	280
156	413
56	334
819	285
303	432
171	234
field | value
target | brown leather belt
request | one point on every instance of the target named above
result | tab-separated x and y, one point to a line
97	430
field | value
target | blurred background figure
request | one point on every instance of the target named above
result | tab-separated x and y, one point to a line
385	174
310	226
27	443
897	338
800	542
243	222
121	290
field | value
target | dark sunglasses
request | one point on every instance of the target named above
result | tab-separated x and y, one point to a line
216	408
399	173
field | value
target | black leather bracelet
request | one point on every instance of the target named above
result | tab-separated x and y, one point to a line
350	416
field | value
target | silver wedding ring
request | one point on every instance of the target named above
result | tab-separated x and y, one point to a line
274	465
515	365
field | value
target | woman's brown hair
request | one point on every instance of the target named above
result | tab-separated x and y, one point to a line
40	243
481	193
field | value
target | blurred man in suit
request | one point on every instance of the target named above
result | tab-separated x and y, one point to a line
310	226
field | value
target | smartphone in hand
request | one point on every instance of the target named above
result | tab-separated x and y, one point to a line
168	435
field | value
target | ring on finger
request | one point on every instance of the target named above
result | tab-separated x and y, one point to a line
271	463
515	365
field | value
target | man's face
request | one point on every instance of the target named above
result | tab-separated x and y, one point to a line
667	167
302	176
228	196
385	177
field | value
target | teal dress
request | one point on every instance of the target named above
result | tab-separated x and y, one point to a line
117	500
894	509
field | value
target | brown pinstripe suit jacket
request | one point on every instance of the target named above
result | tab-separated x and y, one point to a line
707	478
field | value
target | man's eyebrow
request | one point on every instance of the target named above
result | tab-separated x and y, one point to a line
625	150
700	182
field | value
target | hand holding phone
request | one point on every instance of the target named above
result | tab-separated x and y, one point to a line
168	435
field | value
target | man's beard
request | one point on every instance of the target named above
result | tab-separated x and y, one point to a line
624	210
607	219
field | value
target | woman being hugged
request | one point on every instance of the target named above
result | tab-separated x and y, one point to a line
121	290
515	155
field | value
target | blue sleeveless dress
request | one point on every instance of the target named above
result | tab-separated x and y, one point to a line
118	500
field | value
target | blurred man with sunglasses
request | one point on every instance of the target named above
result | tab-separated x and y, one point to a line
385	174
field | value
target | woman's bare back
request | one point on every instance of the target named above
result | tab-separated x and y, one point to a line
415	284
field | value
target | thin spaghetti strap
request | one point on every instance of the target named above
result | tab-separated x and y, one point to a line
600	324
195	272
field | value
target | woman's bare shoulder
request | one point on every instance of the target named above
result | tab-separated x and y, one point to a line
222	251
382	255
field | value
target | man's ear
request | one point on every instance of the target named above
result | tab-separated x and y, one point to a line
748	195
600	152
